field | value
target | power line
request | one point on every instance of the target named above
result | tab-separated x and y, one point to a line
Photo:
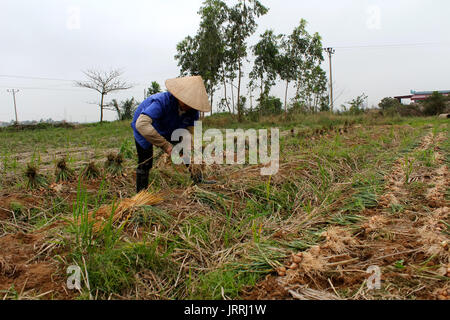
53	79
34	78
396	45
74	89
51	89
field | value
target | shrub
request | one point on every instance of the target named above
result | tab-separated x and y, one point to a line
270	105
435	104
392	107
389	104
356	106
411	110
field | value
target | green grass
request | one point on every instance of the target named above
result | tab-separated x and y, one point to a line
220	238
232	278
111	262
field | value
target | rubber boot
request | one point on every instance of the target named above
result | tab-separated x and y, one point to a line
141	180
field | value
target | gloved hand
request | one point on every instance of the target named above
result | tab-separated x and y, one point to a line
164	160
196	173
168	150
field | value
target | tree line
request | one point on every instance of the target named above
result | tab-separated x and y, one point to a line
220	49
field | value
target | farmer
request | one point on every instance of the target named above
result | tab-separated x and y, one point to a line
160	115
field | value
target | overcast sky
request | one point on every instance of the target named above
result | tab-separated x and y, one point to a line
383	47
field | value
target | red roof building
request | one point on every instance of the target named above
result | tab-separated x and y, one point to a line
416	96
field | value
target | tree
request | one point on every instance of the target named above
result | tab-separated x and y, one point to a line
300	61
389	104
435	104
203	54
357	104
288	63
154	89
270	105
104	83
312	89
213	15
125	109
265	67
187	56
241	25
311	82
325	104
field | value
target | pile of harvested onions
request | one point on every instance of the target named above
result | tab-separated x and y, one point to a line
122	212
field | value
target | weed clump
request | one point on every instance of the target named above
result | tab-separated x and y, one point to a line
114	164
126	150
63	172
35	180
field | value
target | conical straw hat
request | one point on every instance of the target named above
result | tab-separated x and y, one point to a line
191	91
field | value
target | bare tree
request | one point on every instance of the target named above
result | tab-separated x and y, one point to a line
104	82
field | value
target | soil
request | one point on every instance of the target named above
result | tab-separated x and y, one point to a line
400	245
21	268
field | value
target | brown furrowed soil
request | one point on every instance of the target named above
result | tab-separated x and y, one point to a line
410	247
25	269
344	200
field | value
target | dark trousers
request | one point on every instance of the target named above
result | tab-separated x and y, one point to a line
145	163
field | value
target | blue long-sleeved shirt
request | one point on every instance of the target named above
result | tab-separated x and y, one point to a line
163	108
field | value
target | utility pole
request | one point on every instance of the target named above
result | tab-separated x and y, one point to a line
14	91
330	52
251	100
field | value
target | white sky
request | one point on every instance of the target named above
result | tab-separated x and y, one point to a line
43	39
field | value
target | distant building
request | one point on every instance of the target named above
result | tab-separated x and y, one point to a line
416	96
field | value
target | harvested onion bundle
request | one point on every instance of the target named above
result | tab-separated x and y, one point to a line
35	180
114	164
91	171
62	172
121	213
